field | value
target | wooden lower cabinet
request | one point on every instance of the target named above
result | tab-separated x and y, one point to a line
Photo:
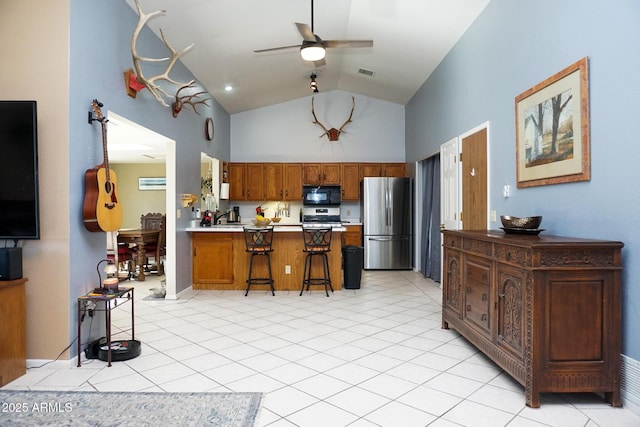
546	309
13	330
352	235
219	261
213	260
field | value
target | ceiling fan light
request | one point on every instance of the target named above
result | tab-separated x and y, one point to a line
312	53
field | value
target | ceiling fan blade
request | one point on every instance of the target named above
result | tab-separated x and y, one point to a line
305	32
271	49
348	43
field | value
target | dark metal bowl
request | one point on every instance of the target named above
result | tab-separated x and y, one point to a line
526	223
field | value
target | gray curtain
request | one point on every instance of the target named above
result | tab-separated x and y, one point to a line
430	238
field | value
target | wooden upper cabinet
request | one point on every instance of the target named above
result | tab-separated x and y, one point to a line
369	169
236	172
331	174
321	174
283	181
383	169
273	181
350	181
292	187
254	181
394	169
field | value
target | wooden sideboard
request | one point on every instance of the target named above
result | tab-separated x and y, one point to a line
546	309
13	330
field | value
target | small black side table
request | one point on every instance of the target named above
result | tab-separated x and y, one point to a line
110	300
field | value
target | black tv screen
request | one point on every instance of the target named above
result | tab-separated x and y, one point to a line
19	212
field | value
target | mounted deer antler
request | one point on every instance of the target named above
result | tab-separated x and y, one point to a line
150	82
180	101
333	134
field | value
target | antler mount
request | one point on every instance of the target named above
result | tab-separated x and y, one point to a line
150	82
333	134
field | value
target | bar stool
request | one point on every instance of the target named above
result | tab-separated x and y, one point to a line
258	242
317	243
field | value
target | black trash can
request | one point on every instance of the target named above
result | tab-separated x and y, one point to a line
353	261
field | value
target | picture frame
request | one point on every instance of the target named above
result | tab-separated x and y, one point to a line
552	129
147	184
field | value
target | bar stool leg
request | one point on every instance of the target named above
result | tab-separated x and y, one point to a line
261	280
304	274
250	274
273	292
327	276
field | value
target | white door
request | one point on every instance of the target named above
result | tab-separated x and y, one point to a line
449	184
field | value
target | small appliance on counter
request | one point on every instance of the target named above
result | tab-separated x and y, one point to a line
234	215
206	219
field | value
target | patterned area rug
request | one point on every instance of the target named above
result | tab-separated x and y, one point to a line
67	408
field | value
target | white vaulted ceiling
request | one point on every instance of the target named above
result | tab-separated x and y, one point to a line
410	37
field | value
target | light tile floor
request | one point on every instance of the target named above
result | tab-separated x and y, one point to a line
375	356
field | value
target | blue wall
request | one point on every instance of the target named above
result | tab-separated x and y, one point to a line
100	52
514	45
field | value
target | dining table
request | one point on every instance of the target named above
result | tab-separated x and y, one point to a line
137	238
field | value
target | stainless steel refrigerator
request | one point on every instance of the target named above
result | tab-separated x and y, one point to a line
386	207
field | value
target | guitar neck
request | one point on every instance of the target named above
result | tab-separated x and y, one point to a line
105	154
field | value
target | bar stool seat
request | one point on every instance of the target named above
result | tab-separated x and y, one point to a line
258	242
317	243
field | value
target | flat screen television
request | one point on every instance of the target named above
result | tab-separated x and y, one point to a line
19	204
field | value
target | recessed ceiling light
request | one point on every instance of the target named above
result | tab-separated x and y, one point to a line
228	88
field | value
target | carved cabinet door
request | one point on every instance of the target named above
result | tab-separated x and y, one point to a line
477	294
452	283
511	309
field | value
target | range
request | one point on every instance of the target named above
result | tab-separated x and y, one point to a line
321	216
321	205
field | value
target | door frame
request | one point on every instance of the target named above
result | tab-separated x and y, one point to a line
170	198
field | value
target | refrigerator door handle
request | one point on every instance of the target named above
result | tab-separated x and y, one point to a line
386	239
387	203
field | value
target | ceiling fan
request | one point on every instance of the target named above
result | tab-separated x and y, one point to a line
313	48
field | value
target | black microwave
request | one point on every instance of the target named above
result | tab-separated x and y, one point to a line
321	195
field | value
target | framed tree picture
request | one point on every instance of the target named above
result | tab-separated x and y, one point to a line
552	129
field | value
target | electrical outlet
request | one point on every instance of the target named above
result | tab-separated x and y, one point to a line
493	216
287	269
91	307
178	213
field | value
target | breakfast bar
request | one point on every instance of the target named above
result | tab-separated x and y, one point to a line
219	260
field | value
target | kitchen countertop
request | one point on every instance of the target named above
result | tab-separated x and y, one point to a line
238	228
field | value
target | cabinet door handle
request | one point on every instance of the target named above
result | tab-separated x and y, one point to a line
483	317
468	308
508	256
484	297
484	276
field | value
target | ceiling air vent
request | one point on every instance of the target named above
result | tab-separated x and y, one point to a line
366	72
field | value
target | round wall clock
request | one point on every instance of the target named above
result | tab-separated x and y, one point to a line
208	128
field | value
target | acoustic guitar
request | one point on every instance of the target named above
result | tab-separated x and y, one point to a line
101	210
